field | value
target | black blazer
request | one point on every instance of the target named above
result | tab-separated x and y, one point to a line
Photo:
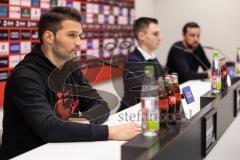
133	77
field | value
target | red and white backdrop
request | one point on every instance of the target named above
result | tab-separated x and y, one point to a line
103	21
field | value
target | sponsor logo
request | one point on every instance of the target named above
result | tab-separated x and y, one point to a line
100	18
23	23
16	23
36	3
3	75
3	23
89	18
25	35
83	18
106	9
14	34
53	3
14	60
25	12
62	3
111	19
25	47
89	44
84	44
45	4
9	23
101	9
25	2
95	8
34	24
3	35
83	7
106	19
89	8
4	48
14	47
4	62
69	4
77	5
35	13
14	12
124	11
14	2
3	11
35	35
95	43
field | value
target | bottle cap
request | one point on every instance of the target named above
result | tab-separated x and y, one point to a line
215	54
148	69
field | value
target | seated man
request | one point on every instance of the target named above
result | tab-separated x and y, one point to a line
147	34
41	107
187	55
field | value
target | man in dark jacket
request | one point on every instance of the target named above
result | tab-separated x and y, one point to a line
147	34
46	93
185	57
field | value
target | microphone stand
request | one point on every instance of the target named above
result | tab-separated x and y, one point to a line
216	49
196	57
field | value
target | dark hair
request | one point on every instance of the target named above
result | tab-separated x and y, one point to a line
190	25
141	24
52	19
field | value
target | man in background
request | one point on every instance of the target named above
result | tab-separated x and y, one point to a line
187	55
147	33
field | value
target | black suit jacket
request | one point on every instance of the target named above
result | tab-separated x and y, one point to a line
133	77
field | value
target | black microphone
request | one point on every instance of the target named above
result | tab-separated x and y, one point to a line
216	49
191	52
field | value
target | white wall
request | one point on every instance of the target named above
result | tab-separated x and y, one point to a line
219	21
145	8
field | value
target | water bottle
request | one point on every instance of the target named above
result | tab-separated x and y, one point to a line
150	103
216	73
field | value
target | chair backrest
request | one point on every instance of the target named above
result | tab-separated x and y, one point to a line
111	99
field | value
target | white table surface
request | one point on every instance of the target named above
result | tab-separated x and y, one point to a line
111	150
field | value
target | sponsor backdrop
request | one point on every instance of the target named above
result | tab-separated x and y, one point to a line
104	21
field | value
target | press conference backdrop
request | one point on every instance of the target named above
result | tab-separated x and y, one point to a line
103	21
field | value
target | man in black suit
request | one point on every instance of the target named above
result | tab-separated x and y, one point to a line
147	34
186	56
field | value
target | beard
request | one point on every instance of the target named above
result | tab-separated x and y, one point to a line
193	46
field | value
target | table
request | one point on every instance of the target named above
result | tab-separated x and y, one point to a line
112	149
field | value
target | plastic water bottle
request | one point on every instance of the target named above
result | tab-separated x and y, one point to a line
216	73
150	103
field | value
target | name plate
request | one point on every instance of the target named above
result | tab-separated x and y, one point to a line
209	131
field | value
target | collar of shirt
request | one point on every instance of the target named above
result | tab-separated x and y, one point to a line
146	55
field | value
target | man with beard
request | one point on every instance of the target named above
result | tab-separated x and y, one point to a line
40	102
187	55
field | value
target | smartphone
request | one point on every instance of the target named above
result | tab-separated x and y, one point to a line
231	72
188	94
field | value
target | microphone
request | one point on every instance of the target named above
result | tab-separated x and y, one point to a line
109	63
196	57
216	49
